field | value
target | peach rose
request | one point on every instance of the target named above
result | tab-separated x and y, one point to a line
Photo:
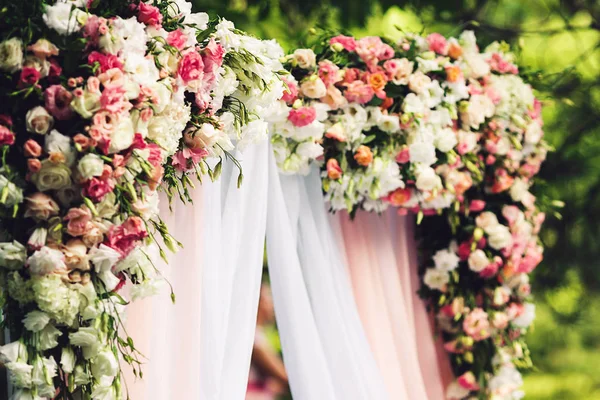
333	169
363	156
40	206
75	252
78	221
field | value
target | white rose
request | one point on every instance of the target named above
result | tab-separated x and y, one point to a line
46	261
519	190
486	220
524	320
105	364
38	120
11	55
90	165
313	88
67	360
436	279
56	142
499	237
309	150
478	261
87	104
204	137
445	140
12	255
122	137
305	58
389	123
423	153
446	260
427	179
418	81
35	321
64	19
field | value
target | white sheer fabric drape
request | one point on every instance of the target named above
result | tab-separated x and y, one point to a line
200	347
232	276
326	353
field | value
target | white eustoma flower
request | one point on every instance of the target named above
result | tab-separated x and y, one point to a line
46	261
103	257
35	320
478	261
446	260
499	237
105	364
12	352
436	279
64	18
422	152
67	360
12	255
56	142
524	320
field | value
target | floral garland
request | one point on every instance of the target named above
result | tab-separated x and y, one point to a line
101	105
439	128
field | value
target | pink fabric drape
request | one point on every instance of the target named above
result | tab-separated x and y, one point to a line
382	262
168	334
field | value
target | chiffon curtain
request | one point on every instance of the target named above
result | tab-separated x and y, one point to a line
325	350
200	347
382	261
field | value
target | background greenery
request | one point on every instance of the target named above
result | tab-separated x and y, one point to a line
562	39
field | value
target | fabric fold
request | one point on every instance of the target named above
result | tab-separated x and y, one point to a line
325	350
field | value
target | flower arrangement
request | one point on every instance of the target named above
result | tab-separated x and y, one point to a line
101	105
436	127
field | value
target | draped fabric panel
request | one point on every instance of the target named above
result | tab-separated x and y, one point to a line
200	348
325	350
383	266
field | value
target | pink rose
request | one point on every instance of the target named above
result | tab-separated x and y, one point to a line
34	165
31	148
334	171
113	100
348	42
532	258
98	187
149	15
212	56
399	197
359	92
404	156
29	77
180	159
79	220
302	116
290	94
476	205
334	98
113	77
125	237
476	324
468	381
177	39
499	64
191	67
106	61
492	269
58	102
336	132
329	73
6	136
500	320
437	43
464	250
